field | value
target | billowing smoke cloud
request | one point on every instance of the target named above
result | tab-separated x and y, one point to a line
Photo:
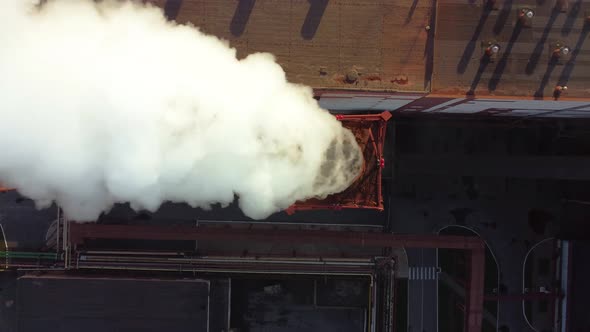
108	102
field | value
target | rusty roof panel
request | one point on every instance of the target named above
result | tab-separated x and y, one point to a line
524	65
320	43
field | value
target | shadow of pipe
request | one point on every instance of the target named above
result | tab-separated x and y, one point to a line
483	64
411	12
471	45
538	51
172	8
314	17
499	71
241	16
550	67
570	64
503	16
571	18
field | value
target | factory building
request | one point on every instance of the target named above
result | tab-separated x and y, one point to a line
471	212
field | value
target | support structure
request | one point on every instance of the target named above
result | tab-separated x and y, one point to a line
365	193
475	294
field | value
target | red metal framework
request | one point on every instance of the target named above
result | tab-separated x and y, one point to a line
3	189
365	192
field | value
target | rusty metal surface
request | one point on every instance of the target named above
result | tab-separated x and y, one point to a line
360	44
524	65
77	303
365	192
79	232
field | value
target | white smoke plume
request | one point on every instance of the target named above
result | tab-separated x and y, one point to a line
106	102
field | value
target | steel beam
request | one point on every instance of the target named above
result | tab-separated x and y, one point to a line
474	298
79	232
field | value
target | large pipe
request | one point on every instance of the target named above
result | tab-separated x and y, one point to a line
79	232
281	223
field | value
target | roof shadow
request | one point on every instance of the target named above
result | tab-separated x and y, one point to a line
411	12
550	67
483	64
503	16
172	8
568	68
470	48
241	17
313	18
538	51
571	18
499	71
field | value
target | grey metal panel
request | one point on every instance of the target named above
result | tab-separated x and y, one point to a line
69	304
363	102
442	105
348	102
391	104
569	114
524	107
